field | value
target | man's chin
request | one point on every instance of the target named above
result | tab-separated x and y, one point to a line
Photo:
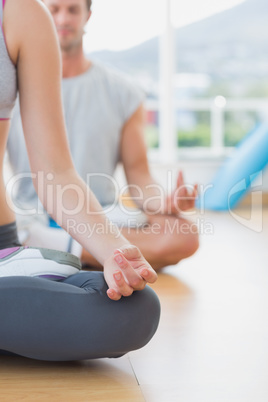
68	44
65	44
67	47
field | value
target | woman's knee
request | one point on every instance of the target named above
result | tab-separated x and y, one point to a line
147	320
81	321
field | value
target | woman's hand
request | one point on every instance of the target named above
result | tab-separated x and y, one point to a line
126	271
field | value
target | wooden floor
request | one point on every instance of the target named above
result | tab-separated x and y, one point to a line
212	343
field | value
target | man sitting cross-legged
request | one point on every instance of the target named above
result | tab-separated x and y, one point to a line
105	121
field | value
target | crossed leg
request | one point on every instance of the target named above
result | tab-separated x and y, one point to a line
166	240
73	319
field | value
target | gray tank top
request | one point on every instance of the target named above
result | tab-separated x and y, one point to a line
8	76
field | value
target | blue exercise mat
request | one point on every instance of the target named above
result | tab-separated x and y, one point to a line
53	224
234	178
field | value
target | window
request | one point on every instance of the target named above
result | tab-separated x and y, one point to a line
213	81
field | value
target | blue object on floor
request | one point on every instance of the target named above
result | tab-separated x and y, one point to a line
53	224
234	178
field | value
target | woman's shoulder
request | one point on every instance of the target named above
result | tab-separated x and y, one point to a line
30	12
25	5
25	22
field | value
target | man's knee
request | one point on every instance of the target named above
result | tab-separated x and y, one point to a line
180	240
191	244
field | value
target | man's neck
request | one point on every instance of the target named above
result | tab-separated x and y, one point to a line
74	63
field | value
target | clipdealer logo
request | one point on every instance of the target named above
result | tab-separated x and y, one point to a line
255	222
53	193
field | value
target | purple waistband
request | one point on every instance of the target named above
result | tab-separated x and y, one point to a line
7	251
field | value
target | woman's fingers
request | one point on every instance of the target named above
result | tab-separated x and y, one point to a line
113	295
130	252
143	270
122	288
124	276
149	275
131	275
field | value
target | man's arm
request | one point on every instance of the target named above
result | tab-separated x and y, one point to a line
145	192
142	186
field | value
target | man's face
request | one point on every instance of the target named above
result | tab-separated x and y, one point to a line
70	17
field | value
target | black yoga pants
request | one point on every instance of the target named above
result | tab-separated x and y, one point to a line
73	319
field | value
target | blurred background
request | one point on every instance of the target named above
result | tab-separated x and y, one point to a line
203	67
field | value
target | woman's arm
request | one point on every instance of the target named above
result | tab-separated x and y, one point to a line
65	196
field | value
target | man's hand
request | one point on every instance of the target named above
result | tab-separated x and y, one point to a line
126	271
182	198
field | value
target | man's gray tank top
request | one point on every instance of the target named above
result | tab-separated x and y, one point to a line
8	76
97	104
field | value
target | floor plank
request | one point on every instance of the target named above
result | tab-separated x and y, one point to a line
212	343
98	380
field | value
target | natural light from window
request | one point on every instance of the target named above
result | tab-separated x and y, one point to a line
121	24
205	80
